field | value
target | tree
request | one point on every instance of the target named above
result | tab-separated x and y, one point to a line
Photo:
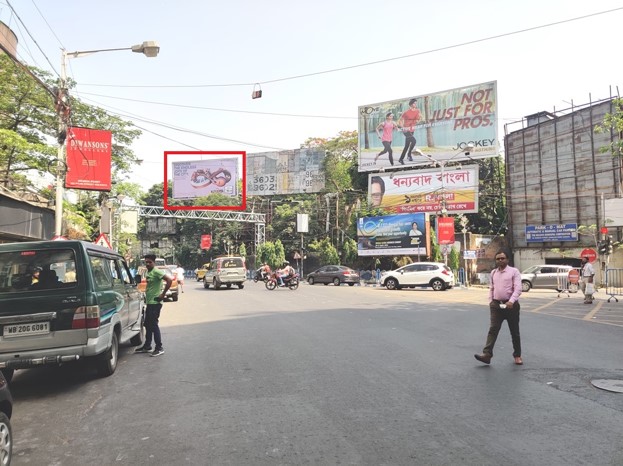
326	251
613	123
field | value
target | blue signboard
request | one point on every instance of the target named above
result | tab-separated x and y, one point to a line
545	233
391	235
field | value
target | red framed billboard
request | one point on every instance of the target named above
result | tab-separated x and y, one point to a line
89	153
184	156
445	230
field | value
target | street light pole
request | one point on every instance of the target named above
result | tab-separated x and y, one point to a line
147	48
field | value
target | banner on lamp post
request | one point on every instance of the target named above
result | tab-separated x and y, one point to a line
88	159
445	230
206	241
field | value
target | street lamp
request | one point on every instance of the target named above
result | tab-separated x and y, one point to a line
464	221
147	48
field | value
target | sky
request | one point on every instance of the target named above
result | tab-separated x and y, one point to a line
314	62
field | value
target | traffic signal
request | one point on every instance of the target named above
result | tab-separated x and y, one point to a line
602	247
610	245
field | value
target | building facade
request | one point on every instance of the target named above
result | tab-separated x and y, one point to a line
557	176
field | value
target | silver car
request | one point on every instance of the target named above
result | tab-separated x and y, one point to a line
549	276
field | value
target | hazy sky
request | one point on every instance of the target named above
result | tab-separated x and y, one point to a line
221	45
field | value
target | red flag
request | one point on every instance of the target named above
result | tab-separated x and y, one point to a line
206	241
88	159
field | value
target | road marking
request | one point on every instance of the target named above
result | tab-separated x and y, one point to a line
544	306
590	315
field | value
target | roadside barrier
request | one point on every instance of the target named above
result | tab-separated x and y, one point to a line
614	283
567	281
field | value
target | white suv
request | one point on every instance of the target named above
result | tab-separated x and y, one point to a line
434	274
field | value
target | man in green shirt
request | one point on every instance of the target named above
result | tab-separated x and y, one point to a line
154	297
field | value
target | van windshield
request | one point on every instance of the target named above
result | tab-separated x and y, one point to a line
33	270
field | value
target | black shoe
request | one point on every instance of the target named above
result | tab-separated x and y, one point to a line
410	159
143	349
401	162
157	352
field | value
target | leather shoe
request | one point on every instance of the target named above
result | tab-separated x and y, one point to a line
485	358
518	360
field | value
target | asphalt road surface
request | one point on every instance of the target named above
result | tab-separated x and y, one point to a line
330	375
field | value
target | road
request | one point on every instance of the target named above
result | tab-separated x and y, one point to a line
338	375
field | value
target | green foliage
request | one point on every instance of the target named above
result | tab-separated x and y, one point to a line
613	122
326	251
454	259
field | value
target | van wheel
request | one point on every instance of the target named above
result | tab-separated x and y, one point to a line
176	297
228	285
206	284
241	285
6	439
216	284
107	361
8	374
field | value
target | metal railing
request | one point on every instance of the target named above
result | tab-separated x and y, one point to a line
568	281
614	283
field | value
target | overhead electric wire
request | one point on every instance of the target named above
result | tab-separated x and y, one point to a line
216	109
48	24
377	62
118	112
31	37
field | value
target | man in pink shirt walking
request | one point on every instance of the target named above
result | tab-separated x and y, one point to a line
504	292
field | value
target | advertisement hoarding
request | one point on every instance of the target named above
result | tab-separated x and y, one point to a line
445	230
192	179
441	125
89	154
405	234
424	190
285	172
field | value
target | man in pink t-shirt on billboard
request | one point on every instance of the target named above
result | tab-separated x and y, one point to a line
407	121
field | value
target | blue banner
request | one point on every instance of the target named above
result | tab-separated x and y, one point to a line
390	235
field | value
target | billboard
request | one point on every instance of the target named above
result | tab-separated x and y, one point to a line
199	178
285	172
88	159
406	234
441	125
426	190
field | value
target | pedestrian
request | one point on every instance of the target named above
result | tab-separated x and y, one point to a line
154	295
504	292
388	126
588	273
180	277
407	122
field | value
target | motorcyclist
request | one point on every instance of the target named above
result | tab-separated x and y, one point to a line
264	271
285	271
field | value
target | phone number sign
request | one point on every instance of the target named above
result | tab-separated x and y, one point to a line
546	233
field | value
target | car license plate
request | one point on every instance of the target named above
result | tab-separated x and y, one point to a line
19	330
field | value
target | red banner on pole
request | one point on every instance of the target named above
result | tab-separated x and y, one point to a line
445	230
206	241
88	159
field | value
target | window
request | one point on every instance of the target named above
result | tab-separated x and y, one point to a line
102	273
33	270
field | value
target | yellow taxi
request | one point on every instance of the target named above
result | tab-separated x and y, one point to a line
201	272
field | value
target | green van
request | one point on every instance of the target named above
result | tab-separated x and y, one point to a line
61	301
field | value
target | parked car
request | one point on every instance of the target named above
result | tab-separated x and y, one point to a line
6	433
554	277
226	271
336	274
434	274
171	270
61	301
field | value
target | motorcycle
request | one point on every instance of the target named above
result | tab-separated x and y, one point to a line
291	282
260	276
